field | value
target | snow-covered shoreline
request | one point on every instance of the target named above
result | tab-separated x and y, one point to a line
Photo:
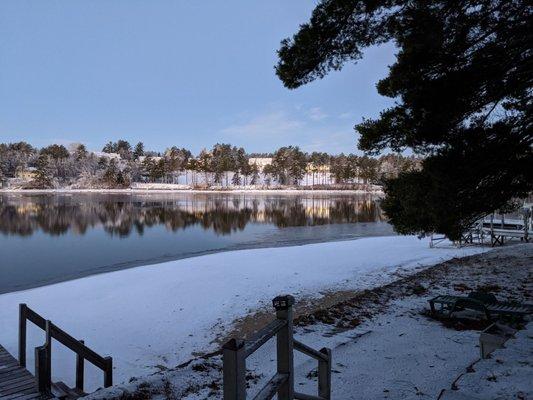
158	316
392	348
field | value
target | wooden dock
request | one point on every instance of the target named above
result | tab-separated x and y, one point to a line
16	382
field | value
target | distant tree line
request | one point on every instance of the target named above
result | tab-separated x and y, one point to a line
119	164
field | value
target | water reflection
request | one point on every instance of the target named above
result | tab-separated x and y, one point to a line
120	215
56	237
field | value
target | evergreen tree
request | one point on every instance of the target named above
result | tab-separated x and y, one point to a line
56	152
138	151
462	89
236	179
80	153
124	149
242	165
254	171
110	147
289	165
111	173
204	164
43	174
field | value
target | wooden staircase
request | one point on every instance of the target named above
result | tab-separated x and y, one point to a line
61	391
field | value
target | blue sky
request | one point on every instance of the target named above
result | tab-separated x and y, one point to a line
185	73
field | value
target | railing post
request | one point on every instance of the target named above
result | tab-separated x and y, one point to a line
22	335
43	363
492	230
284	311
48	346
324	375
80	369
234	370
526	226
108	372
41	369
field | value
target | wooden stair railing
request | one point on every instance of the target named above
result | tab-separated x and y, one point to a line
236	351
43	354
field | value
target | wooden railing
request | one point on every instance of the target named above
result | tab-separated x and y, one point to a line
236	351
43	354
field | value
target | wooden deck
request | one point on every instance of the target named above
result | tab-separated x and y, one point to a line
16	382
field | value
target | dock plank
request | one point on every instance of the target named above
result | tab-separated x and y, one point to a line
16	382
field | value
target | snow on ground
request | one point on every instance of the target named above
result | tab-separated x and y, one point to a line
506	375
396	352
398	355
377	360
157	316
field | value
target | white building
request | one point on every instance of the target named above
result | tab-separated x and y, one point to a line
261	162
108	156
156	158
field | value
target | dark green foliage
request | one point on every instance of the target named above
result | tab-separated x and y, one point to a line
462	82
236	179
55	152
459	185
110	175
138	151
110	147
114	177
80	153
155	170
254	172
121	147
288	165
43	173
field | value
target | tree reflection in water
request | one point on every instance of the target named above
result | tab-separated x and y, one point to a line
122	214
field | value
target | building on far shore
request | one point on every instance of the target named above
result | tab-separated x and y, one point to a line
311	167
261	162
153	158
26	174
108	156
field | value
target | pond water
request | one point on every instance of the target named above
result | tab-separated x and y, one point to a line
47	238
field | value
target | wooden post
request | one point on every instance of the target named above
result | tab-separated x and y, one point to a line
492	230
22	335
41	373
80	367
234	370
324	375
284	339
108	372
526	226
48	347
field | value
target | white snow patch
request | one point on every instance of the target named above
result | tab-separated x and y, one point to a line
505	375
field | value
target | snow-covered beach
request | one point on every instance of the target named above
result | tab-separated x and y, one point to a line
156	317
392	350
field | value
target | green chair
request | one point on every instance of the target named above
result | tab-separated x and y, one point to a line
485	303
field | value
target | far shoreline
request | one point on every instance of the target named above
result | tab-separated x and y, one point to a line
194	191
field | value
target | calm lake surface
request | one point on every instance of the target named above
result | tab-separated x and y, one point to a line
46	238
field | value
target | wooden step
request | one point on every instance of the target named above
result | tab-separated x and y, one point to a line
62	391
